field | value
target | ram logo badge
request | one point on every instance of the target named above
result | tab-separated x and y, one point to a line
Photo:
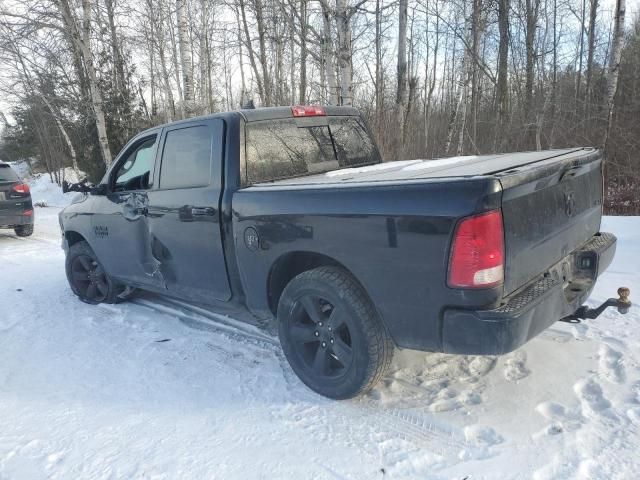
100	231
569	204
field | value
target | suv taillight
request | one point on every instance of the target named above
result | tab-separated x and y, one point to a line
21	188
477	253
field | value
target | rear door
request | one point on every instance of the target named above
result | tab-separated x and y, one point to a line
184	211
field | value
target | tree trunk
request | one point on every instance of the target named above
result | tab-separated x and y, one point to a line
531	22
185	55
157	35
252	55
378	80
302	84
432	85
266	81
591	41
96	94
502	97
327	55
401	72
476	31
614	65
343	20
579	72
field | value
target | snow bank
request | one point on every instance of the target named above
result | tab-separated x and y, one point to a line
46	193
21	168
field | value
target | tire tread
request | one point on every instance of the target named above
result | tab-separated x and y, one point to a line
381	346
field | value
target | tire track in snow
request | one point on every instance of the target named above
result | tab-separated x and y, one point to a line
421	430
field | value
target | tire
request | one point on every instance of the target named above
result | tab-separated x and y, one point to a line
24	230
332	335
96	286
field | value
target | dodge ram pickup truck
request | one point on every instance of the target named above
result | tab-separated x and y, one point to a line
290	214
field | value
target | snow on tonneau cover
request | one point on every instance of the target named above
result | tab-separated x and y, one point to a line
551	202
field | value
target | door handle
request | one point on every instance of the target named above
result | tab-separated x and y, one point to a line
198	211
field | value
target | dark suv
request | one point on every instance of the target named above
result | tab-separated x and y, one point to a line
16	209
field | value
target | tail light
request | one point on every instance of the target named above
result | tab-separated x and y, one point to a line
307	111
21	188
27	213
477	253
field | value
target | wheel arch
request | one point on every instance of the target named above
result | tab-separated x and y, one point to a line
72	237
292	264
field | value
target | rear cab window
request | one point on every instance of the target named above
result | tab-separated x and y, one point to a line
7	174
286	148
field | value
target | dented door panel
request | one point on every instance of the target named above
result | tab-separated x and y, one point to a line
184	223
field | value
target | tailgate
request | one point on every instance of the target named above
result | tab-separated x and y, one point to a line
550	208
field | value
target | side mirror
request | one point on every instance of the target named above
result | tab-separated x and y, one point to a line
100	189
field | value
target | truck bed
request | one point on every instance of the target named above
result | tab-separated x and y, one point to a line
407	170
551	200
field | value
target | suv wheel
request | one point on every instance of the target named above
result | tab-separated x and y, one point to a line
24	230
87	278
331	333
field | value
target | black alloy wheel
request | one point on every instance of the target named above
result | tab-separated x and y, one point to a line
89	278
331	333
321	336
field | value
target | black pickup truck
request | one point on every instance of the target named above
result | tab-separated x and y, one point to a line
290	214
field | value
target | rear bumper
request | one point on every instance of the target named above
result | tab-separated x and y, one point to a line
524	314
12	212
14	219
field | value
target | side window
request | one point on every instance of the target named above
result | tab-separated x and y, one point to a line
133	172
186	158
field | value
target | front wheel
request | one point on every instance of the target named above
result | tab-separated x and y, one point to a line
87	278
331	333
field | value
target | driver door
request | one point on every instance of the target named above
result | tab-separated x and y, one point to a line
119	223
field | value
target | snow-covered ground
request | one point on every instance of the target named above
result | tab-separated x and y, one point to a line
156	389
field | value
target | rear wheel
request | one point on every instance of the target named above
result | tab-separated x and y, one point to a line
331	333
24	230
87	278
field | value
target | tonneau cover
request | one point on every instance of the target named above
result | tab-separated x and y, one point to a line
466	166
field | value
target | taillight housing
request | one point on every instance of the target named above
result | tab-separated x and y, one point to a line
22	188
477	252
307	111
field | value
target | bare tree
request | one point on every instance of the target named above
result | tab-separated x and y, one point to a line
80	39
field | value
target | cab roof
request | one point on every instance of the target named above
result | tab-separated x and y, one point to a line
260	113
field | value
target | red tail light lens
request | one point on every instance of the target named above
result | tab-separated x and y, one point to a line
307	111
21	188
477	254
27	213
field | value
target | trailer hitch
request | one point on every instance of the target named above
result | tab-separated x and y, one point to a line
622	303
